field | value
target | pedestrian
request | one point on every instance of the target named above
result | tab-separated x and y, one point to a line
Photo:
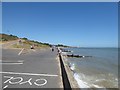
31	47
20	41
52	48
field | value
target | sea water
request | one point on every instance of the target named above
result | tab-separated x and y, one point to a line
98	71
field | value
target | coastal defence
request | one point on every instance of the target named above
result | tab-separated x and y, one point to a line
67	75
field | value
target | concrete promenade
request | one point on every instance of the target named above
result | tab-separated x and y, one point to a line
31	69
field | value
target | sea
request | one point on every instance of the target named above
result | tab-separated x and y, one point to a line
98	70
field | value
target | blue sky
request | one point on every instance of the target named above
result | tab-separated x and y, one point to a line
77	24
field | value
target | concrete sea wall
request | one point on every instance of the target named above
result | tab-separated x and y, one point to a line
67	75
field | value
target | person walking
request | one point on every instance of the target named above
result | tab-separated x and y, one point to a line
52	48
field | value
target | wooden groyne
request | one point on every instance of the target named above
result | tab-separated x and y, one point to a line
77	56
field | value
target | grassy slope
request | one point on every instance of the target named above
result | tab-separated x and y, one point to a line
24	44
27	43
5	37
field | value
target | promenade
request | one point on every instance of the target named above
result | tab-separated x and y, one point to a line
31	69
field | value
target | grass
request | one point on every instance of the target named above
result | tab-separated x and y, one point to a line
5	37
26	44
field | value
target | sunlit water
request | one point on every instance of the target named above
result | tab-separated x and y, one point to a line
98	71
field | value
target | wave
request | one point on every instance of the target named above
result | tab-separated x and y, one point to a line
72	66
94	72
83	84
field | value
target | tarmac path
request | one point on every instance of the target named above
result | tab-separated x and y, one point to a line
36	69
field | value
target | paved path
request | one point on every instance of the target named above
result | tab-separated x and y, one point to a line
36	69
7	44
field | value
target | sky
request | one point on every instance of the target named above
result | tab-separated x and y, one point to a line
84	24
